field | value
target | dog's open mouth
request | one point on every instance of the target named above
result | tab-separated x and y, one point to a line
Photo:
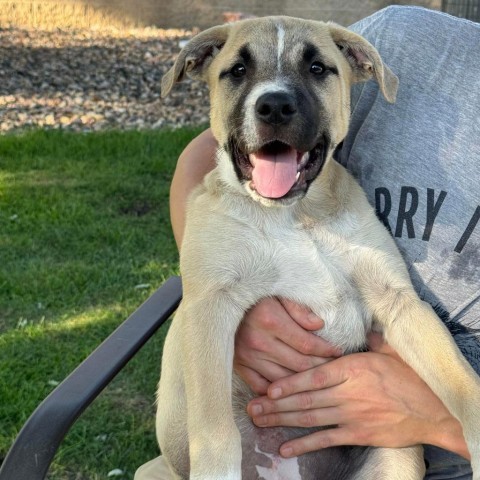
278	170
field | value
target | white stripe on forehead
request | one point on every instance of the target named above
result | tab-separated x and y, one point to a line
280	45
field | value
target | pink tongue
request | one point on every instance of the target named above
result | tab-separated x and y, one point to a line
274	174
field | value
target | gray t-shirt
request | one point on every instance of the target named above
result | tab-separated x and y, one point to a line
418	161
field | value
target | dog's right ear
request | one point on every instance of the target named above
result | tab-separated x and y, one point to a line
195	57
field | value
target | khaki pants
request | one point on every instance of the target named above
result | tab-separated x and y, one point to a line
155	469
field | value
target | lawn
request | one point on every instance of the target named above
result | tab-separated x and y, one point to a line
85	238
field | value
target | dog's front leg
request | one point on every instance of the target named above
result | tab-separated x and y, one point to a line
428	347
208	344
413	329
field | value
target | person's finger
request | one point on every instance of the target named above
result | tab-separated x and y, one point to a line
318	378
320	417
300	339
266	351
330	437
302	315
307	343
269	356
253	379
293	403
266	368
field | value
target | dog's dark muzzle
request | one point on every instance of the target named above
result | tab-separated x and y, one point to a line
278	170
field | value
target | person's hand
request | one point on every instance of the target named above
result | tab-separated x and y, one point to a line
373	397
275	340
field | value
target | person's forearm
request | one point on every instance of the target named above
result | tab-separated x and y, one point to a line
448	434
194	163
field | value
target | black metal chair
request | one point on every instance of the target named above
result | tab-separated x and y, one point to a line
35	446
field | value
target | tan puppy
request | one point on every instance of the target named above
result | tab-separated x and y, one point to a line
279	217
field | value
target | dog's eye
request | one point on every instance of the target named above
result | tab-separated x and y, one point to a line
238	70
317	68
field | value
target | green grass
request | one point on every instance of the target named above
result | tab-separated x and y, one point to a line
83	221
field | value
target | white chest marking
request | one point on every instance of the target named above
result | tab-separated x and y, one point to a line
282	468
280	46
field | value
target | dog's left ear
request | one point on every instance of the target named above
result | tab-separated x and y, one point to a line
364	60
196	56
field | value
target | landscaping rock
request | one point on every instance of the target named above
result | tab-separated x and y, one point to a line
88	80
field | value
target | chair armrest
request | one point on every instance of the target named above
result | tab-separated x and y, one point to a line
35	446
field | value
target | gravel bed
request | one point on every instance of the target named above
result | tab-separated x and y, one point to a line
88	80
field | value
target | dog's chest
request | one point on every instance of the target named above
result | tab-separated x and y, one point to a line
252	252
315	267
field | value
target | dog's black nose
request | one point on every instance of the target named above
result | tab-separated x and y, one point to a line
275	108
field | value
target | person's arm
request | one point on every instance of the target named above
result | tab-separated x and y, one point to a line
274	344
194	163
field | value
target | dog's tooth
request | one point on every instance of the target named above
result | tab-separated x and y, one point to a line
297	176
303	160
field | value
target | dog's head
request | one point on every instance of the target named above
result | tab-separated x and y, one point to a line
280	97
